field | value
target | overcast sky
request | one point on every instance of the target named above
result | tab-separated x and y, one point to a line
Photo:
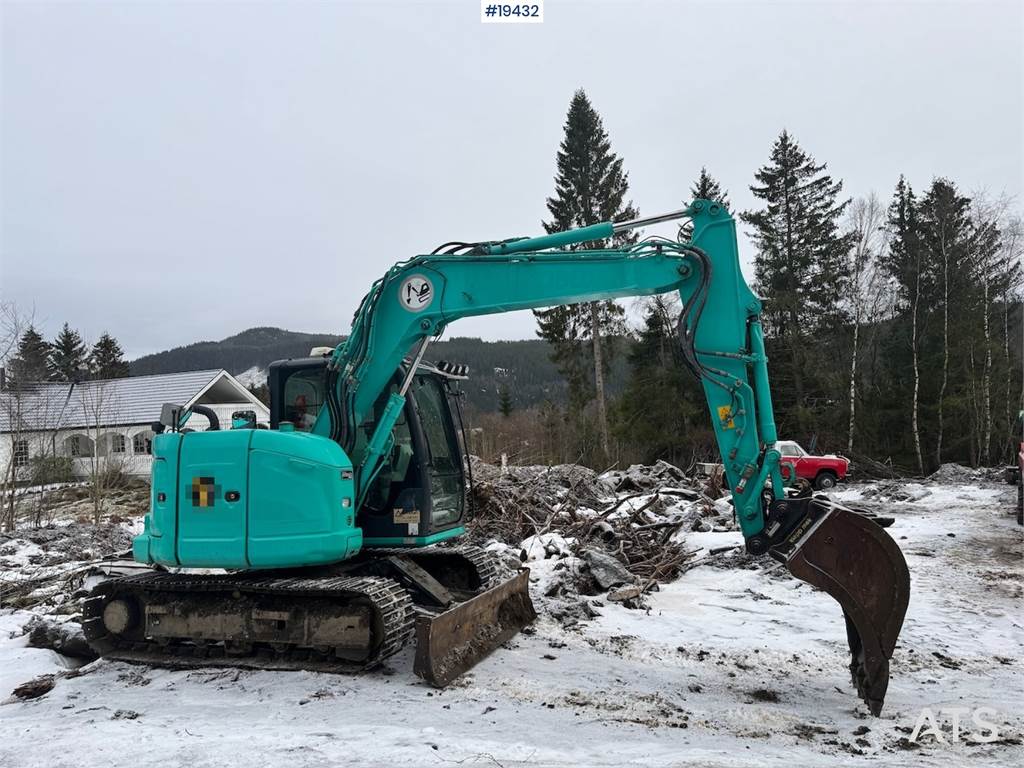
181	171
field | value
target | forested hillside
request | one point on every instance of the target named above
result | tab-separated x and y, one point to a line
254	347
523	369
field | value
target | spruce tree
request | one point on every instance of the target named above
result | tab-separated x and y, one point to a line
590	187
68	358
800	264
504	402
30	363
107	359
707	188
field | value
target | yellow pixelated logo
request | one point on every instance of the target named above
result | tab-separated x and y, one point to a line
725	417
204	491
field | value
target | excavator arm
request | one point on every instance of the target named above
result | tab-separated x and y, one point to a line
721	337
722	342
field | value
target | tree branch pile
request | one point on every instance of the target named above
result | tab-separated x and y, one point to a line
635	515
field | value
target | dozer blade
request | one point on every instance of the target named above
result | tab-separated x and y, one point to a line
851	558
454	641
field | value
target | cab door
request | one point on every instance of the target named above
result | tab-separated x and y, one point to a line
442	456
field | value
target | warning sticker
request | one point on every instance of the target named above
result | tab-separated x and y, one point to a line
725	417
415	293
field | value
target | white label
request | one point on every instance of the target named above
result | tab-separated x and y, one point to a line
403	517
512	13
416	293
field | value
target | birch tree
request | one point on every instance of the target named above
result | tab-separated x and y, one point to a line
904	263
999	242
947	235
865	224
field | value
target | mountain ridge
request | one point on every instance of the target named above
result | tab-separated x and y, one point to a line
523	367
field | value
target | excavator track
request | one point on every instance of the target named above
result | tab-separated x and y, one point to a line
340	624
479	569
343	618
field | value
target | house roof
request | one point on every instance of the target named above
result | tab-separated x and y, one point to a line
108	402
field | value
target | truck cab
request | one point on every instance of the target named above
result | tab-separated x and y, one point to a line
824	472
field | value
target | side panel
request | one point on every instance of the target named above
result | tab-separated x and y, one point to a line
301	501
157	543
212	480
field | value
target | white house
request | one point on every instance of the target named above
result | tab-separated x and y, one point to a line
108	423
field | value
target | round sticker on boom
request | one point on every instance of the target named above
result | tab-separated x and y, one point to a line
416	293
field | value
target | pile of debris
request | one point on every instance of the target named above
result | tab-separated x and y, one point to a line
46	566
622	531
957	474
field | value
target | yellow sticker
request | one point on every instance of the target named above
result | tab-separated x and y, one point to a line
204	491
725	417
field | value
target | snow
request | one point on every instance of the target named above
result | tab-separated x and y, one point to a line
18	662
253	376
742	667
46	488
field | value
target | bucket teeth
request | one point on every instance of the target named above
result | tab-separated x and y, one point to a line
855	561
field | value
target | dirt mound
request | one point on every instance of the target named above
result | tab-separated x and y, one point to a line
957	474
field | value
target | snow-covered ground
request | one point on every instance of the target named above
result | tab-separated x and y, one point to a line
726	668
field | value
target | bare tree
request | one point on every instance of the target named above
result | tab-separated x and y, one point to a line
1013	251
602	408
996	246
944	258
867	288
11	327
98	409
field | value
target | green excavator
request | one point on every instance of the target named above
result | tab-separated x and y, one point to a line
336	529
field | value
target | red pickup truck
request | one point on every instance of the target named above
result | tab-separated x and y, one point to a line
823	471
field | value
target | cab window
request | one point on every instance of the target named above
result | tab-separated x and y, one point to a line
303	396
445	460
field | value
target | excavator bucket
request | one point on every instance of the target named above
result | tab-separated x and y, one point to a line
450	643
851	558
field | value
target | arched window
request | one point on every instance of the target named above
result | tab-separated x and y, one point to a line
78	446
142	443
110	442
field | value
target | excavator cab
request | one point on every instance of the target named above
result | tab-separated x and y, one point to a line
418	496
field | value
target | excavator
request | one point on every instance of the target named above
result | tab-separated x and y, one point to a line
334	532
